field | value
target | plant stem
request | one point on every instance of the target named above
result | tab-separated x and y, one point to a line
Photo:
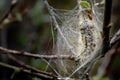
106	25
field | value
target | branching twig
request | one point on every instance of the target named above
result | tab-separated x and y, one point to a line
27	54
27	71
25	66
111	62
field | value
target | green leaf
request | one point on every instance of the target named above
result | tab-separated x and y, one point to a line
85	4
102	2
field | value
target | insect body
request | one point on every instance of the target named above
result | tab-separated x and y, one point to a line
81	31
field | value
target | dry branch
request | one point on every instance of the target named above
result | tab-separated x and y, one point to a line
31	55
19	69
12	6
25	66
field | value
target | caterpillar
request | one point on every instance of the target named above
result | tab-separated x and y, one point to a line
83	33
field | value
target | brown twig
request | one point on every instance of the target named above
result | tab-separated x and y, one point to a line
28	69
110	63
13	4
18	69
27	54
115	38
25	66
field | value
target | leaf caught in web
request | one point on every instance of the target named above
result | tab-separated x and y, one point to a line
85	4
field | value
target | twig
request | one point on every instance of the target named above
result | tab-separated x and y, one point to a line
111	62
13	4
115	38
27	54
106	25
27	71
25	66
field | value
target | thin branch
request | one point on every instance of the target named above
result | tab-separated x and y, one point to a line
115	38
25	66
12	6
111	62
27	71
106	25
32	55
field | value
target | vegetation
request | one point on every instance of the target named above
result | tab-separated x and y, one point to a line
28	35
